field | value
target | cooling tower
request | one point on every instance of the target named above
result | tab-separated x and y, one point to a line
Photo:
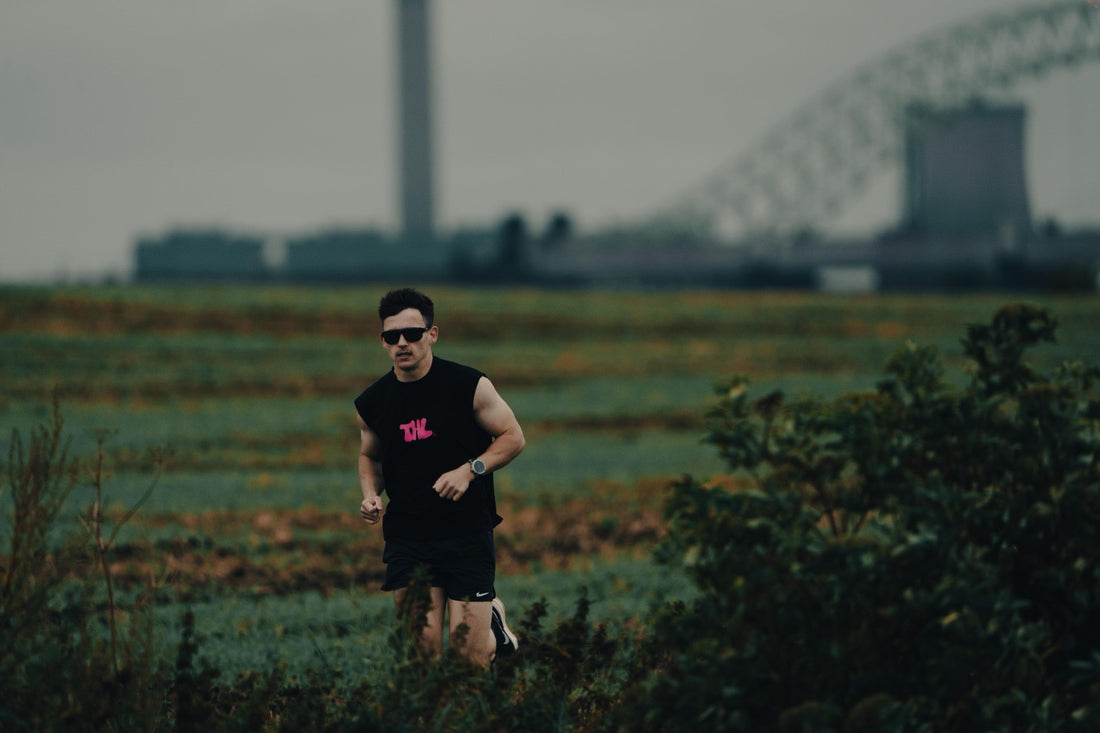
964	171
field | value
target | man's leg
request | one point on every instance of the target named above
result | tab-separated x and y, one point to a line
431	638
481	644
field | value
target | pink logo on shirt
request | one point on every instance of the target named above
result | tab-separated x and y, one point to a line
416	430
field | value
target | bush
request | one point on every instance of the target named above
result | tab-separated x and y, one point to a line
916	558
565	678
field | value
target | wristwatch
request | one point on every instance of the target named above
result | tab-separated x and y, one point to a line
477	466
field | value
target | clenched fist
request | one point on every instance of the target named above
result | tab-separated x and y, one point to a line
371	509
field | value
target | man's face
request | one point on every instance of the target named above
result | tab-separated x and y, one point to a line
407	355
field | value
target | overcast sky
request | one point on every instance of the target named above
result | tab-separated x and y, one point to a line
120	118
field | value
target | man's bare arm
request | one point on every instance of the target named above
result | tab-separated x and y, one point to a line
370	473
494	415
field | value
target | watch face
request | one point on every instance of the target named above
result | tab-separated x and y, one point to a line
478	466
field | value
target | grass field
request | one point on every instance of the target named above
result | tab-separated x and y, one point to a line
253	522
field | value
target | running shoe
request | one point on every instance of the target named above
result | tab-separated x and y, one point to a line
507	643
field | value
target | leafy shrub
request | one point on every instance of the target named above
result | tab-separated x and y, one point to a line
921	557
563	678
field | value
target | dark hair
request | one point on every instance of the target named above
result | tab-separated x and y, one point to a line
398	300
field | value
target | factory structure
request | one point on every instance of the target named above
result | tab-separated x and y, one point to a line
965	222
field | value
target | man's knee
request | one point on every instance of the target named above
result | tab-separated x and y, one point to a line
470	631
431	640
431	630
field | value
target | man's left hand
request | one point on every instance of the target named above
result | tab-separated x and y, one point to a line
453	484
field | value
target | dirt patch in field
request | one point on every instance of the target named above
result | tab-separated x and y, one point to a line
284	552
69	314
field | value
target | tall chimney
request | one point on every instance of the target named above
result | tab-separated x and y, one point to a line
415	120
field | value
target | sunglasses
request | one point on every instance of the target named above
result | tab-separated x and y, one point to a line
412	335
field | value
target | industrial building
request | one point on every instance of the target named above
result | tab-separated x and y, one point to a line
965	219
200	255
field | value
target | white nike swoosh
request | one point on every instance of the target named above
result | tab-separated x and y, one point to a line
480	595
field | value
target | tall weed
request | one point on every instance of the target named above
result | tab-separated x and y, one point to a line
67	660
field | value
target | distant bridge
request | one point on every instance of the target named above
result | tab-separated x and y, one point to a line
812	164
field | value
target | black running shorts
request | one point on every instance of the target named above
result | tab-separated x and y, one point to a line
464	567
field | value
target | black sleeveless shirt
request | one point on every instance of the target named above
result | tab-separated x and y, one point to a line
427	428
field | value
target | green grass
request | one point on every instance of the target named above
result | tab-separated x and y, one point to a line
349	629
555	467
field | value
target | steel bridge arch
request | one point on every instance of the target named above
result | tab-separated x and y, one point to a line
812	163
